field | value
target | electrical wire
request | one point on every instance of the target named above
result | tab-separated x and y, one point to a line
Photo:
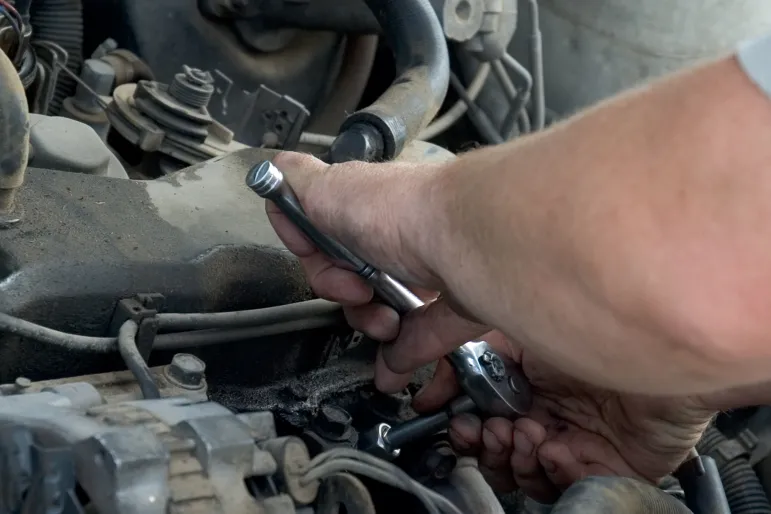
72	342
536	56
127	345
478	117
456	112
17	24
507	128
23	328
248	318
355	461
198	338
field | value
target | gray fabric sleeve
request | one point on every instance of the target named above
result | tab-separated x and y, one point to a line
755	58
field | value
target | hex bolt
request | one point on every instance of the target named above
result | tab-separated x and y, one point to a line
333	422
99	76
493	365
186	371
192	87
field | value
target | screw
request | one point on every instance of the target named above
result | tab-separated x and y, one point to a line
493	365
192	87
99	76
186	370
333	421
513	385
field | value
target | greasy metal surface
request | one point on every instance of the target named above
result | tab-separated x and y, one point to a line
121	386
171	33
200	237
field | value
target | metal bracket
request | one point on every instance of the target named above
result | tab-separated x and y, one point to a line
142	309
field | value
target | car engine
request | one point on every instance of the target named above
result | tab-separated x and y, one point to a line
161	352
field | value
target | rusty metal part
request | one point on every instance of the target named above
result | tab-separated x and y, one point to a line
14	139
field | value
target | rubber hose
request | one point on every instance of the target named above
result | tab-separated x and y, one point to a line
60	22
416	38
742	487
612	495
14	133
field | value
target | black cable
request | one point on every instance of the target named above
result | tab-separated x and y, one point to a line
477	116
198	338
250	318
17	24
127	345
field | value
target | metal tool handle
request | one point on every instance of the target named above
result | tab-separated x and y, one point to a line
496	388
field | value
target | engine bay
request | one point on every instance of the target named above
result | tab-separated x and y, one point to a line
160	349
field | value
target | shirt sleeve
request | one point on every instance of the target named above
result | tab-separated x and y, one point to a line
755	58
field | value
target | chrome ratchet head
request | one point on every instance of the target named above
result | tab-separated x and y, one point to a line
498	388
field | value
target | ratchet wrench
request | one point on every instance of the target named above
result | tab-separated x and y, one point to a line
498	388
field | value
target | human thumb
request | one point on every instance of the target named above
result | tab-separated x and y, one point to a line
426	335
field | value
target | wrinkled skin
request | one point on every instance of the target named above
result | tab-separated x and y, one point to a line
574	430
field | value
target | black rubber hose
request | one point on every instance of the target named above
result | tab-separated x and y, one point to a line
416	38
742	487
613	495
348	16
60	22
249	318
127	345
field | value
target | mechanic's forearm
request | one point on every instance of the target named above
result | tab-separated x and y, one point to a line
631	246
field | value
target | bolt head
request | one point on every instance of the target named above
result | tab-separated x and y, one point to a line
333	421
186	370
493	365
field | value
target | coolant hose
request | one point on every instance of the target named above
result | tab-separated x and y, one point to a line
380	132
742	487
60	22
14	135
613	495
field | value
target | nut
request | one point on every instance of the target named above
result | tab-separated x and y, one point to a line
186	371
333	422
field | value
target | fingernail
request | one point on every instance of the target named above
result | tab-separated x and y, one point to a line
491	442
522	444
548	466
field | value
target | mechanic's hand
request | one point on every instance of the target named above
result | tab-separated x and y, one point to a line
574	430
375	210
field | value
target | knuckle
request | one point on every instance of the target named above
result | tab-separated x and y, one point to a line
295	160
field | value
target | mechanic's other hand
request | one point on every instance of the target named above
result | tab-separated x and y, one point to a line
574	430
375	210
